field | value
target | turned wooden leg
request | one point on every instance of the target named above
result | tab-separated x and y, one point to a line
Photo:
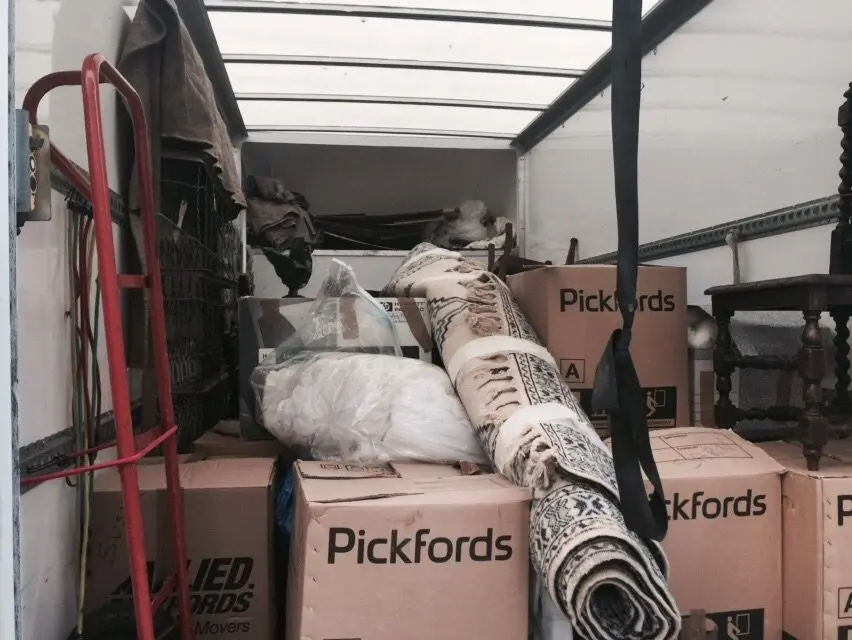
841	361
725	410
813	424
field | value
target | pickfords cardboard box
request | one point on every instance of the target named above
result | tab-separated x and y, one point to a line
265	323
409	551
724	537
213	444
574	311
817	542
229	534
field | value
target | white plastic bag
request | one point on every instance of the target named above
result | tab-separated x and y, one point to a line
340	387
367	408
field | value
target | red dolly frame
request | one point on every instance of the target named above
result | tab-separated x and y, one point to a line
131	449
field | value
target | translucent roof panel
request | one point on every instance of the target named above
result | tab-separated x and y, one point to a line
271	115
393	39
289	81
480	67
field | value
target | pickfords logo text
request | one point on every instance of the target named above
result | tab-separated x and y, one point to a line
393	306
417	548
604	301
844	509
700	505
218	586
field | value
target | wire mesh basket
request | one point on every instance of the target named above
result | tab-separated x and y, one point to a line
200	250
198	412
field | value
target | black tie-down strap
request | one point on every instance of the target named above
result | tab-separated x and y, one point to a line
617	389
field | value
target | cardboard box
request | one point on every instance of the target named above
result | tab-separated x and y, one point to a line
228	507
724	538
264	323
213	444
410	551
817	518
109	576
574	311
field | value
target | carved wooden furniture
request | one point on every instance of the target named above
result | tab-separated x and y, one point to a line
573	247
507	264
812	295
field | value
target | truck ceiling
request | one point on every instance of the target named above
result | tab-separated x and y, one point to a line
427	69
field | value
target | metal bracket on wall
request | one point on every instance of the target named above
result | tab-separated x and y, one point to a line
36	178
32	170
801	216
54	452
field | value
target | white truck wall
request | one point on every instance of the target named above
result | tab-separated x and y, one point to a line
349	179
9	503
739	117
53	35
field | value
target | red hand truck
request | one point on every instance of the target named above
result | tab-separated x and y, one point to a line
131	449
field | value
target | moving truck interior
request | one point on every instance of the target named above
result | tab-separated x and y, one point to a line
401	108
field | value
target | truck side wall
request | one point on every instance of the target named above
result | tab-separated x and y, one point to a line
53	35
739	117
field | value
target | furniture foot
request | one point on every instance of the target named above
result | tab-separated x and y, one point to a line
725	410
813	423
842	401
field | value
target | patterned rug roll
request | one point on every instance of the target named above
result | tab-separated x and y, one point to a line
609	582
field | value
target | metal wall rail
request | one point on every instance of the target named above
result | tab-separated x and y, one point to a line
80	203
801	216
55	452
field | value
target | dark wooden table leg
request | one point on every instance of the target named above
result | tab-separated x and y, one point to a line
725	410
813	424
841	360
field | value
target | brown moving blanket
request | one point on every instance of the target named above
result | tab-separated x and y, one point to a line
160	60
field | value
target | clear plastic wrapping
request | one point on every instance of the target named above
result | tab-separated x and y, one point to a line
367	408
339	387
343	317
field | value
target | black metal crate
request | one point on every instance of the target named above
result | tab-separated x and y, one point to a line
200	253
197	412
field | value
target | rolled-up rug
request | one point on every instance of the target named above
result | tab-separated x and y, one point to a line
609	582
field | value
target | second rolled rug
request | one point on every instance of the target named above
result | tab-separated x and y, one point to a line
609	582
